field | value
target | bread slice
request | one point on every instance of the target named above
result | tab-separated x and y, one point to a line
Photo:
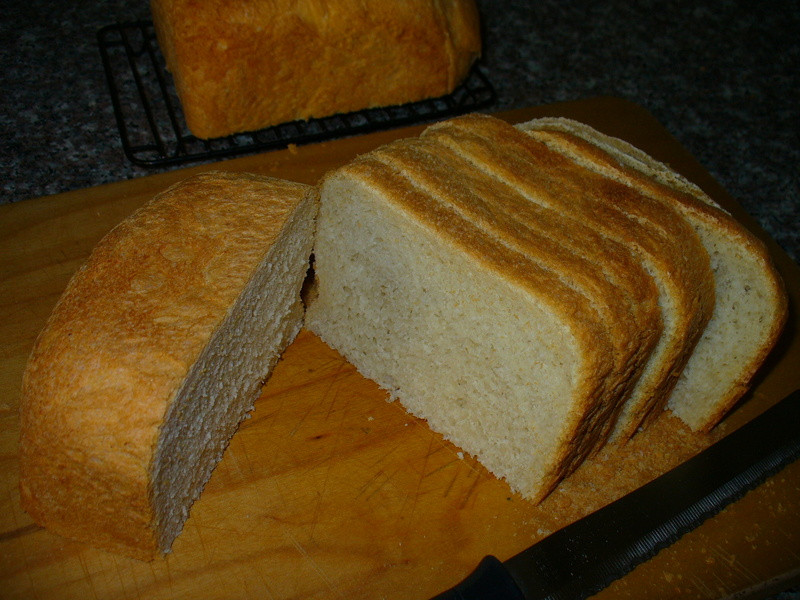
659	237
751	303
619	289
156	351
498	353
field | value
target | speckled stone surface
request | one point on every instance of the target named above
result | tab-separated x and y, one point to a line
722	76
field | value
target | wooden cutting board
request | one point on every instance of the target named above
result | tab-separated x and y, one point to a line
331	491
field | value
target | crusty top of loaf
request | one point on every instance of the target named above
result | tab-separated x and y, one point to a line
122	337
623	151
643	172
241	65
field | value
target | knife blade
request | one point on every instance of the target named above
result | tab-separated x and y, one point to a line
586	556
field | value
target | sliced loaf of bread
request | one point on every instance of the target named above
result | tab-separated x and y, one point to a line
620	290
660	239
751	306
156	351
498	353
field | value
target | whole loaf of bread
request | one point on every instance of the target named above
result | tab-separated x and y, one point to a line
242	65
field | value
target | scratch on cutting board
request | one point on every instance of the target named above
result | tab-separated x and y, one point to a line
422	475
246	455
735	565
333	381
702	587
301	421
121	579
274	399
456	473
334	452
198	528
168	571
321	494
381	483
335	395
87	574
471	491
206	555
472	472
400	445
328	582
443	466
255	568
20	541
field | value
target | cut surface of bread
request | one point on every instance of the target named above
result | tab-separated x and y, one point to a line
156	351
750	301
242	65
495	351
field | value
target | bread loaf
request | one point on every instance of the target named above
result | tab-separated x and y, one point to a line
155	352
660	240
243	65
469	334
751	305
620	289
528	301
427	219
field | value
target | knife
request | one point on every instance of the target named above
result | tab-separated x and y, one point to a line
586	556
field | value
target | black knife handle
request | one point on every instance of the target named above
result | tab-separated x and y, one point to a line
489	581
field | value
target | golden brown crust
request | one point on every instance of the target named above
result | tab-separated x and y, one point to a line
685	255
658	181
623	152
120	341
244	65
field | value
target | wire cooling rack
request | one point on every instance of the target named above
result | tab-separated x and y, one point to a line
154	133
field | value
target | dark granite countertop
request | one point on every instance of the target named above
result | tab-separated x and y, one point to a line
722	76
